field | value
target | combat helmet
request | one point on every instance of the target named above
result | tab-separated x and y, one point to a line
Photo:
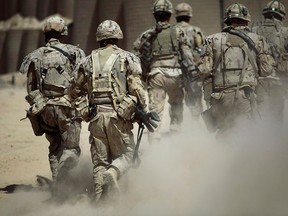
162	5
183	9
275	7
108	29
55	23
237	11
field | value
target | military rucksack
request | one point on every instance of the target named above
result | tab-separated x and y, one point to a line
234	66
56	71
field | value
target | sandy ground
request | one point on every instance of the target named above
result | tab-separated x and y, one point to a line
186	174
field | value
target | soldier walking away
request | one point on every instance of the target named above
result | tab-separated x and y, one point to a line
272	90
50	70
192	87
163	49
235	58
111	79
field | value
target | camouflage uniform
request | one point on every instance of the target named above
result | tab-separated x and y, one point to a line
272	90
49	72
161	50
235	68
111	137
193	97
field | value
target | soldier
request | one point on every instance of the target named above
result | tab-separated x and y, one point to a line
163	50
235	58
272	90
193	88
49	74
111	78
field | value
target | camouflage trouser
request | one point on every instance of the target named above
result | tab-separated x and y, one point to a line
112	145
62	131
271	99
158	87
229	107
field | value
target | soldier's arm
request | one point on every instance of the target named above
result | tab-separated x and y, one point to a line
185	47
206	62
135	85
31	78
265	60
78	86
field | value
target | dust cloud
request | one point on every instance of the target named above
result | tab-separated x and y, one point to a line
190	173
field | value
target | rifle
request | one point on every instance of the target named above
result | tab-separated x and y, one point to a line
144	119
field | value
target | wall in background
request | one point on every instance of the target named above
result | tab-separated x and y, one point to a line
134	17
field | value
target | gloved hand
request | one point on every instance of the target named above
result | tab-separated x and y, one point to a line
147	118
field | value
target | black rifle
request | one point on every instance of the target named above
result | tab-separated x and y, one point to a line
145	119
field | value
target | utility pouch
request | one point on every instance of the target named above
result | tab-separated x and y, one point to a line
35	123
126	109
209	120
37	102
82	106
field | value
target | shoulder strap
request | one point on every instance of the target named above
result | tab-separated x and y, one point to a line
67	55
251	44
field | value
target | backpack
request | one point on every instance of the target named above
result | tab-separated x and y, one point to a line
56	72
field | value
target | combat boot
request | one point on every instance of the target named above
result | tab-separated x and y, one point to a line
110	179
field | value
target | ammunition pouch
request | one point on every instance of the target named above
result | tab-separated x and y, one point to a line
37	102
126	108
210	120
82	106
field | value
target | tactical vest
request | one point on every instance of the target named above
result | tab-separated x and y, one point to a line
165	46
108	83
55	72
235	64
275	38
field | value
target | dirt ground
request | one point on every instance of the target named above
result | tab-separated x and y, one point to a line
186	174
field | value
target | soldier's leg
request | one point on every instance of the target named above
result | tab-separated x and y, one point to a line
157	96
70	128
121	145
176	96
49	124
99	154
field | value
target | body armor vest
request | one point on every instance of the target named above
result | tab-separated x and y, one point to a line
234	64
55	72
108	83
165	46
275	37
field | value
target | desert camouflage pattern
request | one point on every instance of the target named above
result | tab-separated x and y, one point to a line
273	89
275	7
193	99
162	5
183	9
164	71
57	24
108	29
234	79
58	118
238	11
168	64
111	137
